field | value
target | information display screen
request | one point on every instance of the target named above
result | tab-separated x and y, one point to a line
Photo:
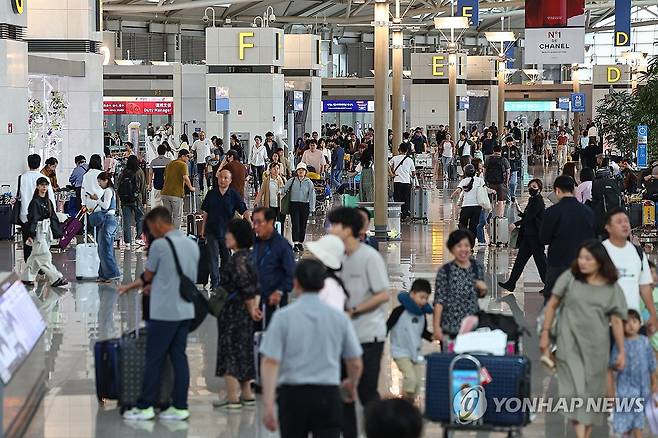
298	101
348	106
21	326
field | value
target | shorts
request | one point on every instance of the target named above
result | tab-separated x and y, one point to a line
500	189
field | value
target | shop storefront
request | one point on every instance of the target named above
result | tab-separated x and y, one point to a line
119	112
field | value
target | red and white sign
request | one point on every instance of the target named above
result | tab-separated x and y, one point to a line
138	107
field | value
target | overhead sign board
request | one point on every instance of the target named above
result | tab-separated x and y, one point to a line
138	107
470	9
622	23
555	31
563	103
348	106
298	101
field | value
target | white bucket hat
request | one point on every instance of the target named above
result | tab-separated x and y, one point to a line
329	250
302	165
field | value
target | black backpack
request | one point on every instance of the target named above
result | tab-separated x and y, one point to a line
128	189
606	195
494	173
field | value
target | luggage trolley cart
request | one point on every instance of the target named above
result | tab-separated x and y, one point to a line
424	169
456	399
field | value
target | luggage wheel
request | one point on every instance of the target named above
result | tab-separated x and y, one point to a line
78	278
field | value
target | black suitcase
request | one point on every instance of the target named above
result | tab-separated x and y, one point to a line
132	360
635	214
6	227
453	174
203	272
106	365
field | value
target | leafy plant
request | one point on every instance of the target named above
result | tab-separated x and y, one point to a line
615	121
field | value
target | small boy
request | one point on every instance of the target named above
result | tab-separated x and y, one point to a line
408	326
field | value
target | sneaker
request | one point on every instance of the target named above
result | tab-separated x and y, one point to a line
300	247
225	404
173	414
248	402
59	282
136	414
140	242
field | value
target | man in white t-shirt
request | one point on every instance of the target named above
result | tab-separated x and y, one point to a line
202	148
402	168
631	263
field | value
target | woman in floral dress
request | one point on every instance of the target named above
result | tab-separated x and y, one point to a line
235	360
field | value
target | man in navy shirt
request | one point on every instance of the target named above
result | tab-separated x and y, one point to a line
219	207
274	261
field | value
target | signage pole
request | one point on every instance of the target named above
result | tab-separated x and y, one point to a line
381	120
226	128
576	115
398	41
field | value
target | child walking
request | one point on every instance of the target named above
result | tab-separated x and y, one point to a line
408	326
41	219
637	379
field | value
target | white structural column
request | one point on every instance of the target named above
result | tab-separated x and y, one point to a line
398	41
381	125
452	94
13	89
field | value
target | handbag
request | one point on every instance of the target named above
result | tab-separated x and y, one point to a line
482	196
16	210
190	293
284	205
218	299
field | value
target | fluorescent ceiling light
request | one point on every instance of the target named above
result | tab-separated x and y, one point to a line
500	37
224	5
451	23
153	1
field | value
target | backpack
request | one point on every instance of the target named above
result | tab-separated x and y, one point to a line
494	173
606	195
128	189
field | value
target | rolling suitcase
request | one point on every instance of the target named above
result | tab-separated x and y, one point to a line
500	231
420	201
635	214
6	227
510	378
258	337
203	271
72	228
453	174
106	364
194	219
132	360
87	261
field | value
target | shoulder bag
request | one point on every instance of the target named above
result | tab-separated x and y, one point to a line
218	299
190	293
16	210
284	205
482	196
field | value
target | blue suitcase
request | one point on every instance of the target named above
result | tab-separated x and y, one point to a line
510	378
106	363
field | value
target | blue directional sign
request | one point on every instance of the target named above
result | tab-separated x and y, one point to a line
642	138
578	102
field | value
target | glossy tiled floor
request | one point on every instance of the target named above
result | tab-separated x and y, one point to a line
88	312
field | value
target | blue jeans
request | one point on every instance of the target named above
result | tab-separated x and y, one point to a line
108	267
130	211
336	178
480	227
511	193
165	338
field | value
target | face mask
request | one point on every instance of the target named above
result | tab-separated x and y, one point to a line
533	191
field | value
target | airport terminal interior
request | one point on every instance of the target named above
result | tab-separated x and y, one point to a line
341	218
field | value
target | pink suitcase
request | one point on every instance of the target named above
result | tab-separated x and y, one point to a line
72	227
